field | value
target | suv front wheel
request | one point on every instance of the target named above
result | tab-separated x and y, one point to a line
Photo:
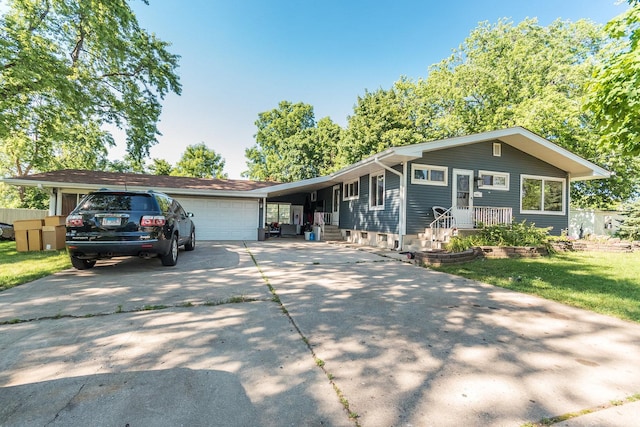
171	258
191	244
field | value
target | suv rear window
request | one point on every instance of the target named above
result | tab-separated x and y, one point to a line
119	202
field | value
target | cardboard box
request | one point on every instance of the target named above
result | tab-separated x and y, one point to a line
55	220
28	224
53	237
22	241
35	240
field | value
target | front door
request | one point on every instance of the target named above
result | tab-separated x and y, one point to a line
462	198
335	213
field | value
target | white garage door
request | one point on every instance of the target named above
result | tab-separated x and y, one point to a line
223	219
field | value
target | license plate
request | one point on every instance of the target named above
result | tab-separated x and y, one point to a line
110	221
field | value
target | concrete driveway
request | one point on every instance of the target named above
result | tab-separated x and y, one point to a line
293	333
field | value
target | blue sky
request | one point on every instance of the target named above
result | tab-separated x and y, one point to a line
242	57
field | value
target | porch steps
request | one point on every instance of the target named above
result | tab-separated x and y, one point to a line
427	241
332	233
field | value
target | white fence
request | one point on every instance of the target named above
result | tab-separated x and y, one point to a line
10	215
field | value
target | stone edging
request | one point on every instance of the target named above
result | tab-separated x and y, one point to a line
595	246
437	258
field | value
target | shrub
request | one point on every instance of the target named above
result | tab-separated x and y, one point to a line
516	234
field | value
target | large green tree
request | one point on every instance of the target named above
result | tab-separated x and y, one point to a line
67	69
614	94
381	119
290	146
200	161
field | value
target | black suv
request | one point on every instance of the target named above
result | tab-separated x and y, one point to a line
128	223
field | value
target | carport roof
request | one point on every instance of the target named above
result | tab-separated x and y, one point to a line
92	180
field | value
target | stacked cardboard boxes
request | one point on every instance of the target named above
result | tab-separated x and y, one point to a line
38	234
28	234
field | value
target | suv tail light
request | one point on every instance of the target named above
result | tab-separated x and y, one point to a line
75	221
152	221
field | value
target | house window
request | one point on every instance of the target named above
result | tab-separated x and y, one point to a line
490	180
376	191
279	212
429	175
541	194
497	149
351	190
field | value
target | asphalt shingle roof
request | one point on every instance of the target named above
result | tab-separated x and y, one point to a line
109	179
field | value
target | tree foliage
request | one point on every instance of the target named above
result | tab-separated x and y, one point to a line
502	75
614	96
69	67
630	225
199	161
290	146
160	167
381	119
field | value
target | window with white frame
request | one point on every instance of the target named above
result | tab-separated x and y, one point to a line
429	175
541	194
490	180
497	149
376	191
351	190
279	213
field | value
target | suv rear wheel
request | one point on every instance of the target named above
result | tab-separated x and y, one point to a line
82	264
171	258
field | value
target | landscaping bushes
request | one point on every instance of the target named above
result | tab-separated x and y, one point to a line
516	234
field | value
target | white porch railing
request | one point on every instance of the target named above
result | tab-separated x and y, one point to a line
460	217
488	216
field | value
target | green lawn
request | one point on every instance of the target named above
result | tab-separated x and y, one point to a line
17	268
607	283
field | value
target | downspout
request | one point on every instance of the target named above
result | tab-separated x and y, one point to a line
402	223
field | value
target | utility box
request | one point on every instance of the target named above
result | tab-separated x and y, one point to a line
53	237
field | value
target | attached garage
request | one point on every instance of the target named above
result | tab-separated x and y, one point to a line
223	219
223	209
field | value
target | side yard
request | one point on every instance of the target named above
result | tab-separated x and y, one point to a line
17	268
607	283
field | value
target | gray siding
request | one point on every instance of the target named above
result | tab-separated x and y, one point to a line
356	215
421	198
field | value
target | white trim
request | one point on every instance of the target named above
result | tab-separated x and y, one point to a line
429	169
335	204
371	189
497	149
506	176
355	183
543	179
314	196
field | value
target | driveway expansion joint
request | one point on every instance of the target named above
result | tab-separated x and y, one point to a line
319	362
155	307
